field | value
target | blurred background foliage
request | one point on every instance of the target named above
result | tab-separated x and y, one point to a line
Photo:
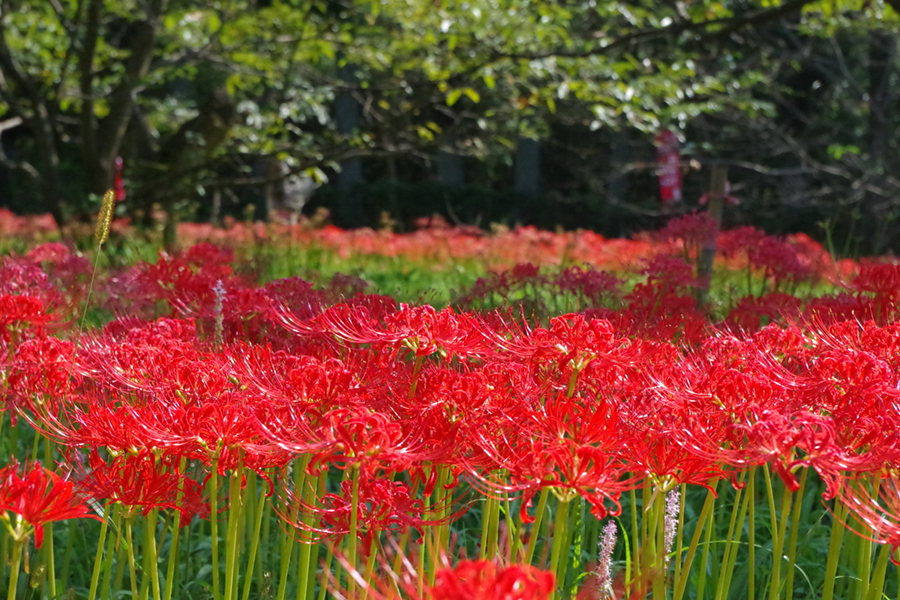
537	112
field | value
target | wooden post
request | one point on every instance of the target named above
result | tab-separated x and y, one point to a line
716	200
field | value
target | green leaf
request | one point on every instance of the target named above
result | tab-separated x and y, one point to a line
453	96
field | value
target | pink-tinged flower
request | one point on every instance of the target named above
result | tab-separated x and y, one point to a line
36	498
483	580
692	230
604	566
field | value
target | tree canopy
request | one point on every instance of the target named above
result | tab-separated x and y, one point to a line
196	93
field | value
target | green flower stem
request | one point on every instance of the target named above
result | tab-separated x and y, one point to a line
404	539
735	509
132	570
67	557
186	567
707	537
354	526
176	532
485	523
646	496
287	539
303	581
792	540
110	553
48	539
536	526
559	537
241	523
417	368
864	573
446	504
751	533
574	540
234	514
287	549
735	531
876	586
4	543
513	536
682	579
153	555
493	529
329	558
14	570
98	562
254	543
370	568
436	547
314	553
266	534
656	532
47	549
420	571
778	544
145	558
121	562
214	520
834	548
635	540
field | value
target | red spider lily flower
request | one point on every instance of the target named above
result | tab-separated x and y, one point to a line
142	481
421	329
483	580
692	230
881	279
749	314
42	369
572	448
350	436
16	311
38	497
383	505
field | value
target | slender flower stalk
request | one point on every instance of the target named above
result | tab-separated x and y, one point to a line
98	562
604	561
794	535
673	510
14	570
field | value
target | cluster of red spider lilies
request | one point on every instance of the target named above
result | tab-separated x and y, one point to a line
281	441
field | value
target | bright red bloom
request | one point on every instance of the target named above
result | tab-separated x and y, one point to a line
38	497
483	580
141	480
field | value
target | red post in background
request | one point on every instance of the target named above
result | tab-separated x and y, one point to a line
668	158
118	181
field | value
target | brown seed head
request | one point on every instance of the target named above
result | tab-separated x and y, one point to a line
104	219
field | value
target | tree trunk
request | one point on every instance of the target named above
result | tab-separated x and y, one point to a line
882	52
